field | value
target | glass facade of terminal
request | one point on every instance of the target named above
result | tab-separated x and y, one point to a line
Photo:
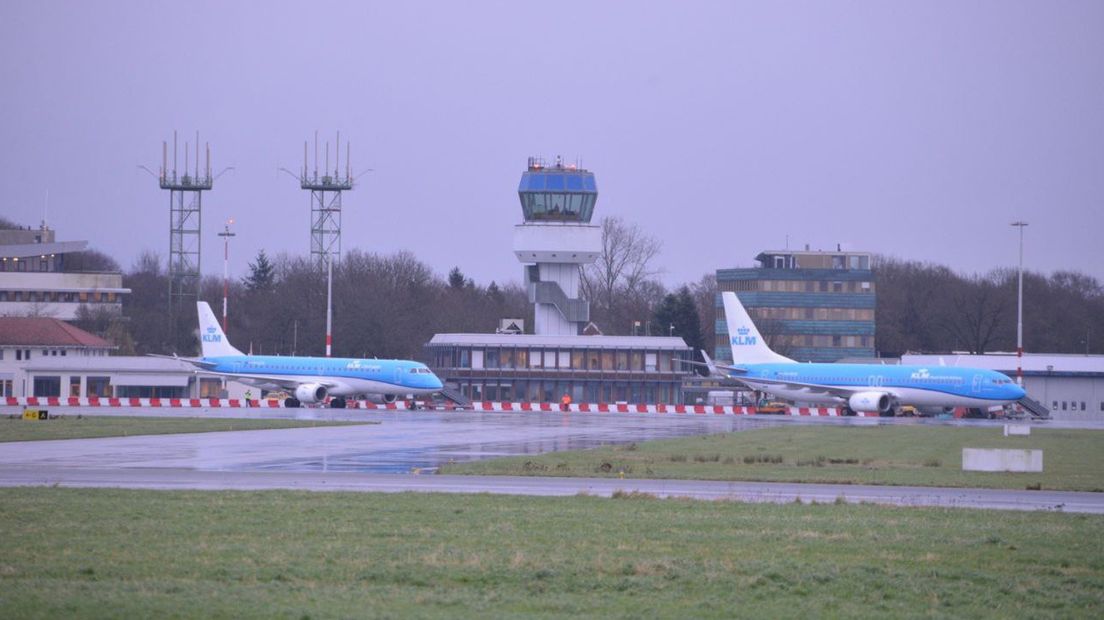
809	306
609	370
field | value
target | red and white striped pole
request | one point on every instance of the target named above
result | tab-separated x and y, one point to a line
226	234
329	304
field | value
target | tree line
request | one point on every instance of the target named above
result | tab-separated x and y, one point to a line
391	305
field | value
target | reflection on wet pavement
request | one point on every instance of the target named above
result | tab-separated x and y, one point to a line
572	433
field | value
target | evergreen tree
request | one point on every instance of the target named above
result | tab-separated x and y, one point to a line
677	315
262	274
456	279
494	292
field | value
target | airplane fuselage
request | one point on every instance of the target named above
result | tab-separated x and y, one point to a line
345	376
927	386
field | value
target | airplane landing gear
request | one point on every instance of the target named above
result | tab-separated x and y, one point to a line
291	403
337	403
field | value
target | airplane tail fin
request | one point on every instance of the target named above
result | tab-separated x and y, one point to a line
211	337
748	346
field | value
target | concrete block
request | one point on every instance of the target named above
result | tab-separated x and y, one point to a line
1016	429
981	459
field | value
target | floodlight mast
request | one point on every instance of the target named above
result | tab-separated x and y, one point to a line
185	229
325	198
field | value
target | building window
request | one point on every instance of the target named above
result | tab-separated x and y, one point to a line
836	341
18	354
6	388
74	386
47	386
98	386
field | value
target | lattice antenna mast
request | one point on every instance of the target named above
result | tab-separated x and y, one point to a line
185	225
325	198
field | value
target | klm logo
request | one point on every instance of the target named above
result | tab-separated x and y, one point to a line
742	338
212	335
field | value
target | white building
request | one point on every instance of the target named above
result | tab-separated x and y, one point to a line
43	277
47	357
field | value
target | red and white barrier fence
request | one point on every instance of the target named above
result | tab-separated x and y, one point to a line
479	406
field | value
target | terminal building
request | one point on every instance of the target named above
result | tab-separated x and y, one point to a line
812	306
558	362
49	357
536	368
43	277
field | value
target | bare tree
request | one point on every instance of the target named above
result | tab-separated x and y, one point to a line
625	264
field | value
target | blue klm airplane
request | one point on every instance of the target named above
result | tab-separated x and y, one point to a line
310	379
869	388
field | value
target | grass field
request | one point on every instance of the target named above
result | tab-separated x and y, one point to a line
73	427
116	553
1073	460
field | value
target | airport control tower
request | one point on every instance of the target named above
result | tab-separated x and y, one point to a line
555	241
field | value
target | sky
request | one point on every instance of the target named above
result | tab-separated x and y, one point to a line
919	130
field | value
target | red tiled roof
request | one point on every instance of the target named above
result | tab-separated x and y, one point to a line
45	332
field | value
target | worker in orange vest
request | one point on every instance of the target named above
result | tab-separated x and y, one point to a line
565	401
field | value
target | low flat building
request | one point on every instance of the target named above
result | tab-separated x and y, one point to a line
118	377
48	357
531	368
43	277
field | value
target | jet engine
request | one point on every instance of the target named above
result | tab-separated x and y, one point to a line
380	399
310	393
870	402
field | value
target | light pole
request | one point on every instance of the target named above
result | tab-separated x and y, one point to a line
329	303
225	234
1019	310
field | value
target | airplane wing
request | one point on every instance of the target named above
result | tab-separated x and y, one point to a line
191	360
712	366
764	385
280	381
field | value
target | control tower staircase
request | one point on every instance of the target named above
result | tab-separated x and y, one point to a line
1034	408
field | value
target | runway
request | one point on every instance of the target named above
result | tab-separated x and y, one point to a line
373	457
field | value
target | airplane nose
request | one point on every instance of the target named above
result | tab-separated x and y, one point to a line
1018	392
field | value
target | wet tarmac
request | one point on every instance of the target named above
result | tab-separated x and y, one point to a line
394	442
367	457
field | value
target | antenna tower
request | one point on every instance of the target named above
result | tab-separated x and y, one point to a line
325	197
185	224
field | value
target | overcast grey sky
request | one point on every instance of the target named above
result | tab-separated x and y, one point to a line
918	129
